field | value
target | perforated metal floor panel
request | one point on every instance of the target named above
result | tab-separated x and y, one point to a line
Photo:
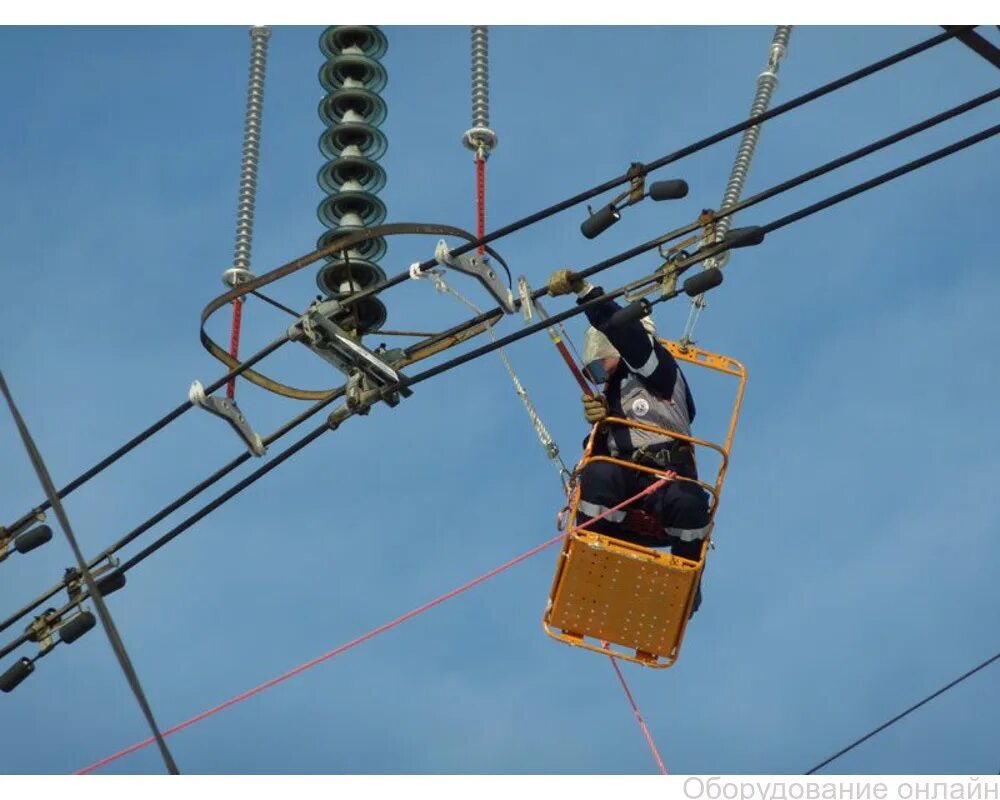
634	598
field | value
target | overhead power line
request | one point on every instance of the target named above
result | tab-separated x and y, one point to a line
338	417
719	136
900	716
117	645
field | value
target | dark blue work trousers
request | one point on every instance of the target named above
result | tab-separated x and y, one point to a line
678	504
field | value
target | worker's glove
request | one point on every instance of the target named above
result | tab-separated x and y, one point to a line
595	408
564	281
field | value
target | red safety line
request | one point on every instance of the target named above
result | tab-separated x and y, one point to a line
365	637
481	201
234	343
638	717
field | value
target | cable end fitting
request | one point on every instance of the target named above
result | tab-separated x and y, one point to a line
236	276
480	140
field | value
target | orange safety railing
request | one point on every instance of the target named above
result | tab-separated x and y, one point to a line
609	594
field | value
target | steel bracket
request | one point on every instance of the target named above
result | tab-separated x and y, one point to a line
227	409
365	370
478	267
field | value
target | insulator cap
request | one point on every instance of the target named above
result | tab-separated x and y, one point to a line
236	276
18	672
36	537
668	190
370	249
362	102
474	138
367	206
367	173
76	627
600	221
369	140
361	68
111	582
341	278
702	282
367	38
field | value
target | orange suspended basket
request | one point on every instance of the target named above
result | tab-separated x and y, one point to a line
623	599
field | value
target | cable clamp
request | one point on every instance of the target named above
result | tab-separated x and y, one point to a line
43	628
226	409
478	267
415	272
637	177
317	331
73	579
527	303
479	140
236	276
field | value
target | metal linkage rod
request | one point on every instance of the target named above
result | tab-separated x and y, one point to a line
156	427
778	110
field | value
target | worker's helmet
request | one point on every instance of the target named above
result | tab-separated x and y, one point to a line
597	347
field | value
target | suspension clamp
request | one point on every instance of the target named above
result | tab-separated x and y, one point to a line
105	577
478	267
637	177
226	409
317	331
24	537
42	629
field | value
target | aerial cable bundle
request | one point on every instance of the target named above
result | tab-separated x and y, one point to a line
460	332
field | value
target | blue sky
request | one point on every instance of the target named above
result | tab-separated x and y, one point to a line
856	541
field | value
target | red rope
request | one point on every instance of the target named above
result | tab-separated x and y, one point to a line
234	342
481	201
638	717
365	637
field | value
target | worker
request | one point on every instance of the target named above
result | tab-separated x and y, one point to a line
643	383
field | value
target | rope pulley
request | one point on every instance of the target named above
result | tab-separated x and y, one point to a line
352	110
